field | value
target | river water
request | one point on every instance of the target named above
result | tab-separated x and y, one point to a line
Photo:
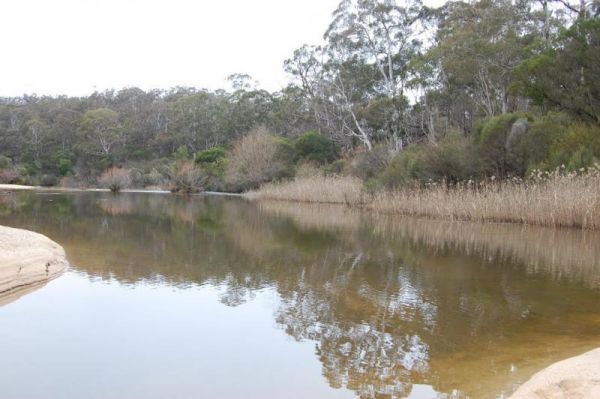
216	297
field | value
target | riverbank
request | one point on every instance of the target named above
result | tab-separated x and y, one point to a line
27	259
556	200
576	377
17	187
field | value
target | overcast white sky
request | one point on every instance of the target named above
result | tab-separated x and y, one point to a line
77	46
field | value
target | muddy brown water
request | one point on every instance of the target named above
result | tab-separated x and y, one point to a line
206	296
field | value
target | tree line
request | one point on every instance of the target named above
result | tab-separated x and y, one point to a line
400	90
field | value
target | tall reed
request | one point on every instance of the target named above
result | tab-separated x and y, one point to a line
555	198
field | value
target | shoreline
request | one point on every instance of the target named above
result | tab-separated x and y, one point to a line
27	260
18	187
570	201
255	196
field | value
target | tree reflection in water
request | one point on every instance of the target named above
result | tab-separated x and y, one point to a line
470	309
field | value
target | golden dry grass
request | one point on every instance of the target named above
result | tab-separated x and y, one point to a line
550	199
317	189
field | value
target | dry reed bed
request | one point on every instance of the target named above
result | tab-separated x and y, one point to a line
552	199
317	189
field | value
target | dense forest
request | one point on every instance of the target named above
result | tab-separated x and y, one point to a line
396	92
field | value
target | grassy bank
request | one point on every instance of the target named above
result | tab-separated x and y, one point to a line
550	199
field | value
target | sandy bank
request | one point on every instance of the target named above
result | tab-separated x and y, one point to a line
577	377
15	187
27	258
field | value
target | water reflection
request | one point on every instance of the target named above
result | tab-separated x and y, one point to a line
390	304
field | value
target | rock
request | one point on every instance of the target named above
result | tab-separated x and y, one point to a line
27	258
518	130
574	378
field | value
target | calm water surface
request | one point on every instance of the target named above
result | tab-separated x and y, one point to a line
210	297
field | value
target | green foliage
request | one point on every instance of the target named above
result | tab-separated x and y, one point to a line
404	167
578	148
213	164
210	156
500	146
141	154
337	167
5	162
542	133
373	185
315	147
371	164
182	153
566	75
48	180
101	131
452	160
285	154
65	166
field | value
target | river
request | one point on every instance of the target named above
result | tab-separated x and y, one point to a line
217	297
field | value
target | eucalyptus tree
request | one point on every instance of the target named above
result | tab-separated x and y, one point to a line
34	136
100	132
477	47
565	75
383	36
197	121
356	82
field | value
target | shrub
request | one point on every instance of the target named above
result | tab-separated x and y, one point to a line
542	133
186	178
9	176
5	162
314	147
48	180
404	167
64	166
71	182
211	156
337	167
153	179
213	163
182	153
372	163
257	158
578	147
115	179
501	154
452	160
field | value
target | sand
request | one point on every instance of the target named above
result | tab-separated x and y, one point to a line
573	378
15	187
27	259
